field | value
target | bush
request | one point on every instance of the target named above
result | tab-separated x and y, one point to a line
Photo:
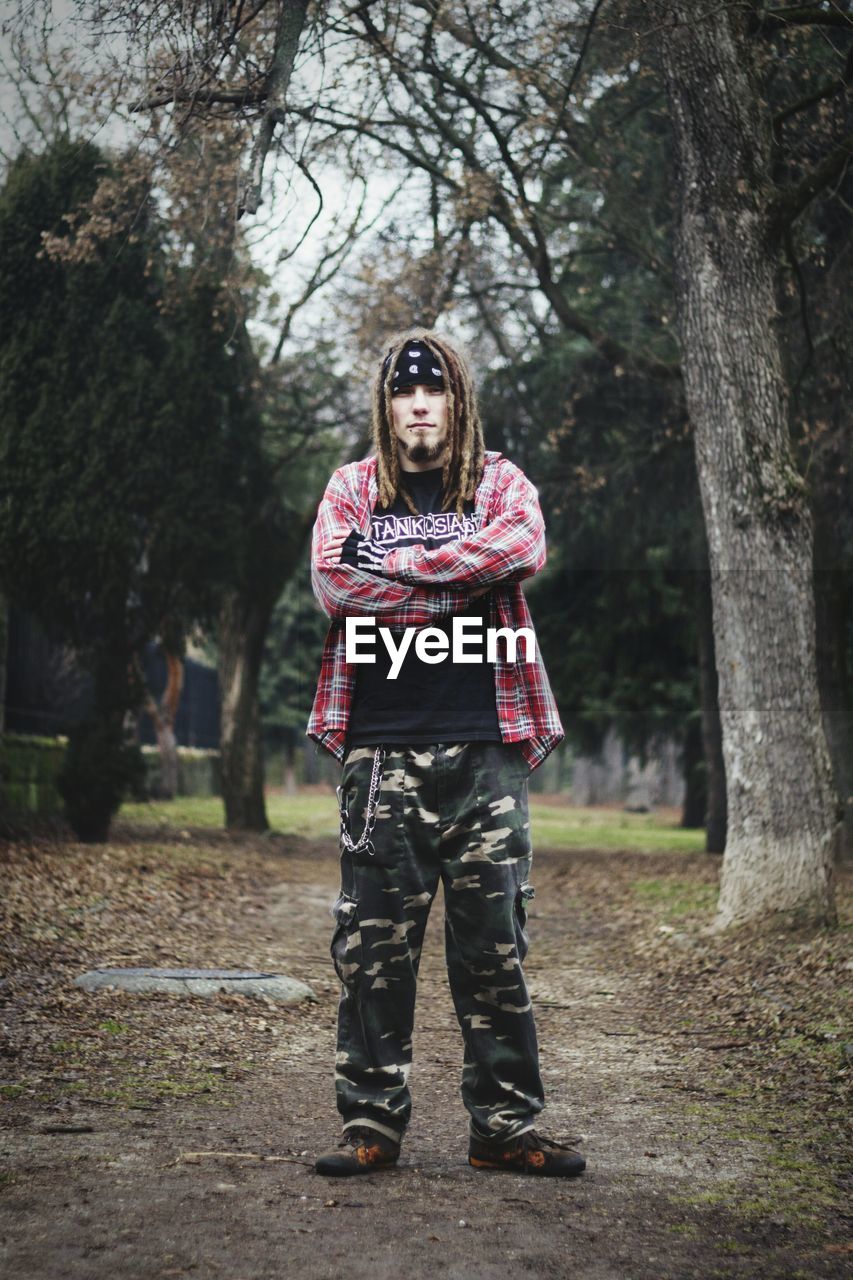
28	769
199	771
101	768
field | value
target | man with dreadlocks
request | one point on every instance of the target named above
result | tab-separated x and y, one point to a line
436	757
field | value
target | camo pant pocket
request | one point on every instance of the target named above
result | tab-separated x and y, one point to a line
522	898
497	798
346	949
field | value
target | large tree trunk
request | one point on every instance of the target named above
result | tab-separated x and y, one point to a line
243	626
781	834
712	733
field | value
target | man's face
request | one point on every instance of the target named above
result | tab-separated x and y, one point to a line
420	425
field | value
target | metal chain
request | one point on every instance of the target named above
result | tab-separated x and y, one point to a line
364	841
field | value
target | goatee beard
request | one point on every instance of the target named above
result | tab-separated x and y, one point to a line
423	452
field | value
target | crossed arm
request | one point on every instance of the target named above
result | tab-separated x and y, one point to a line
343	591
412	586
507	549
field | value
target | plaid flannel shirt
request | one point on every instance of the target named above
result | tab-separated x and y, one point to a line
417	587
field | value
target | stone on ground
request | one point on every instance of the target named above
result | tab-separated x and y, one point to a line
198	982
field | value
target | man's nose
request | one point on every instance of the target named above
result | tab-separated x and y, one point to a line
420	400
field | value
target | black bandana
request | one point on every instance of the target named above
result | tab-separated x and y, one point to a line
416	367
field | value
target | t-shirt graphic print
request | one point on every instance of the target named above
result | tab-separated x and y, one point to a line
427	702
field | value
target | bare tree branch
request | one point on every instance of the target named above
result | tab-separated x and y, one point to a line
802	104
533	246
290	23
203	98
789	204
801	15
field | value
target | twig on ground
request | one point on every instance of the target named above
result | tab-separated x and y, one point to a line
193	1157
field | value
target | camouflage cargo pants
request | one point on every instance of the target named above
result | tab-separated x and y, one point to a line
457	812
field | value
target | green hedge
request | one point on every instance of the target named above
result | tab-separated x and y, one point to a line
198	771
29	767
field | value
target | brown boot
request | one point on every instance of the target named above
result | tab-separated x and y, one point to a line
530	1152
360	1150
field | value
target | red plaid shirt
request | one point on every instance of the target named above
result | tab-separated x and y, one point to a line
419	586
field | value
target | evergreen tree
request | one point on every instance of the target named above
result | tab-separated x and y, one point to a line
113	521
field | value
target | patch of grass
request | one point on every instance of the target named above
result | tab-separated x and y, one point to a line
7	1180
312	817
789	1183
824	1054
204	1083
184	811
676	897
735	1246
139	1088
66	1046
315	817
115	1028
830	1029
710	1197
12	1090
559	826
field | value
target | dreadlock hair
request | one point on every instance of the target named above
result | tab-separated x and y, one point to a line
463	466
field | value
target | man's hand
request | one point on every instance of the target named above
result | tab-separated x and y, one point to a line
332	548
369	554
355	550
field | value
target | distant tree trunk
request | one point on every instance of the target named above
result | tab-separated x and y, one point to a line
781	835
243	625
712	733
693	810
289	779
100	765
832	604
244	620
163	718
4	638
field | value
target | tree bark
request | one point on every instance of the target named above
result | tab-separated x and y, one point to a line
243	625
712	733
781	836
163	718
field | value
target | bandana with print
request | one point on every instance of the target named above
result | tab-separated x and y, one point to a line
416	367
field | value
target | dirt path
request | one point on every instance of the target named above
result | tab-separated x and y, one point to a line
672	1157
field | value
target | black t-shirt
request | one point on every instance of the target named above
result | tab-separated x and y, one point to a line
428	702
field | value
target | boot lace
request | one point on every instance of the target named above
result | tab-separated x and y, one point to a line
355	1137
